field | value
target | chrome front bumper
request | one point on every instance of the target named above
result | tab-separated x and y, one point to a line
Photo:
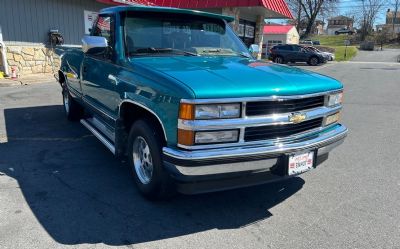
262	157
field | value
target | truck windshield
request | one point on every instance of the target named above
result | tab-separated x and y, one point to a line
165	34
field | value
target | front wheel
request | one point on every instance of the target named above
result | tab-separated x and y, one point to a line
73	109
313	61
145	161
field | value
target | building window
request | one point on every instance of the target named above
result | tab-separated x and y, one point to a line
247	31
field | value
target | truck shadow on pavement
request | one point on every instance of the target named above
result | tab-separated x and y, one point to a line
80	193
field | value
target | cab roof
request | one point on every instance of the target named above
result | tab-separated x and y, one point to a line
143	8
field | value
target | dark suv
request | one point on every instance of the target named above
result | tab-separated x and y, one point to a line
295	53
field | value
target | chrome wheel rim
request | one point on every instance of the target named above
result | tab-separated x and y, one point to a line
278	60
66	101
142	160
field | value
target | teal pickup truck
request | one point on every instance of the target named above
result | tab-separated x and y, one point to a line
177	93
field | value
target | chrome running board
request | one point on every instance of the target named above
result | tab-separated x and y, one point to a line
103	128
100	136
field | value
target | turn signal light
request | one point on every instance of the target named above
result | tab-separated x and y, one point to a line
185	137
186	111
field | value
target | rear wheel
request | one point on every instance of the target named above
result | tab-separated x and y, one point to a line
73	109
313	61
145	161
278	59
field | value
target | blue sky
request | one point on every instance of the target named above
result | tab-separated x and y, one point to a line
345	7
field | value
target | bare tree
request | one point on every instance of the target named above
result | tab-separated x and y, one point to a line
313	8
295	7
382	37
369	10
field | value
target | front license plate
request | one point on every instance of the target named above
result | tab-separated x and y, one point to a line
300	163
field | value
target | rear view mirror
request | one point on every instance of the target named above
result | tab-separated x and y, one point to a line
94	44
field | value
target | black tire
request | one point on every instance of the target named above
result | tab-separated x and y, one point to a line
155	186
279	60
336	33
313	61
73	110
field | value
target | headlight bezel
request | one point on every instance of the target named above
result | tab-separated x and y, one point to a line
235	137
210	111
334	99
332	119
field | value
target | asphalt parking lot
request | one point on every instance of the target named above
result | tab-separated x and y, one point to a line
60	187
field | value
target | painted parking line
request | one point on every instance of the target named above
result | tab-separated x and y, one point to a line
325	66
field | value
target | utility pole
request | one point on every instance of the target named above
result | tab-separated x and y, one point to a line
298	15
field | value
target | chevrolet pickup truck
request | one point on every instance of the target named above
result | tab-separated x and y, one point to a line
178	95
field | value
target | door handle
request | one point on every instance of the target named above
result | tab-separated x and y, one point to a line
113	79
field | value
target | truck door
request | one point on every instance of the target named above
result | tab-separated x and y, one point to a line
98	86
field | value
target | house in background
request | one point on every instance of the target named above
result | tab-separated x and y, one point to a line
339	22
275	34
392	24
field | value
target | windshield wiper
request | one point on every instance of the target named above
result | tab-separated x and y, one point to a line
243	54
162	50
227	52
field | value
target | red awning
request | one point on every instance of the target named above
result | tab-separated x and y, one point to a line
278	6
277	29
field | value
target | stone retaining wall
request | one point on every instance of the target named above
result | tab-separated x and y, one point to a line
32	59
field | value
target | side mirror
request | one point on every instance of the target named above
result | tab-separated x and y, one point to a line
254	49
94	44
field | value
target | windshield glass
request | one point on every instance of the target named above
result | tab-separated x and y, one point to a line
164	34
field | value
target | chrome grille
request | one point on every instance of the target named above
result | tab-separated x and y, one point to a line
257	108
280	131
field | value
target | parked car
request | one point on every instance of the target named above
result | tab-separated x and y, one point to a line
316	43
344	31
178	95
295	53
306	42
328	56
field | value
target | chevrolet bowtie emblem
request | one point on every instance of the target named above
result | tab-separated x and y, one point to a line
297	117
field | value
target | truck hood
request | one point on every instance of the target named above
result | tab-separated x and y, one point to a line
230	77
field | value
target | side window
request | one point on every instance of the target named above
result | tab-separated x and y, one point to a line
105	27
286	48
296	48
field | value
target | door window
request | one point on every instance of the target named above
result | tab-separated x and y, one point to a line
296	48
104	27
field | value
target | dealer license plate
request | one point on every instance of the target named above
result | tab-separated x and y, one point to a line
300	163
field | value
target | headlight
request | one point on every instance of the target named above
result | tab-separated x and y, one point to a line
189	138
209	137
332	118
212	111
335	99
